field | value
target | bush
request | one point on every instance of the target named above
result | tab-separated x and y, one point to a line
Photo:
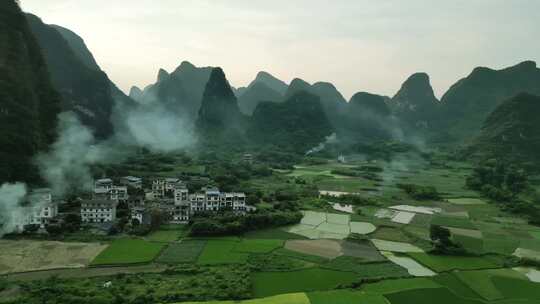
420	192
232	224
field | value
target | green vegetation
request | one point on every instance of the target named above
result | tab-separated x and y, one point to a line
231	224
167	235
30	105
128	251
420	193
301	256
457	286
366	270
441	263
449	221
516	289
180	284
186	251
258	246
275	262
273	283
274	233
391	286
297	124
221	252
344	296
427	296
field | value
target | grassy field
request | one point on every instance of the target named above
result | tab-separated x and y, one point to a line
344	296
449	221
184	252
274	283
167	235
457	286
441	263
128	251
276	234
258	245
366	270
428	296
391	286
292	298
221	252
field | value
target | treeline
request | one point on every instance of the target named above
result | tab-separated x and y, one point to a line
232	224
420	193
507	185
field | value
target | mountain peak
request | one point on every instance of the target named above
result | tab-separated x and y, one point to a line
162	75
270	81
186	65
135	93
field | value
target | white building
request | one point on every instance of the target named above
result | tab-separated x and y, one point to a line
165	186
98	211
39	210
132	181
104	189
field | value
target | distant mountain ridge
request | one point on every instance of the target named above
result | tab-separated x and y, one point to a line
466	105
180	91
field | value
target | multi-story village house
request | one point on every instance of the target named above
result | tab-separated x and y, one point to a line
39	210
104	189
132	181
209	200
98	211
163	187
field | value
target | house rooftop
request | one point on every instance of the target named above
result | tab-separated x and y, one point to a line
133	178
104	180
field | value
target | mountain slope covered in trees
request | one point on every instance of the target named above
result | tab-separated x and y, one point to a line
466	105
512	131
219	115
180	91
415	103
28	102
298	124
84	90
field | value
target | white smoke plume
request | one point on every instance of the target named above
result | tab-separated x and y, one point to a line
11	212
155	128
331	139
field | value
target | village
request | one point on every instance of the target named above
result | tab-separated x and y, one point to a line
168	196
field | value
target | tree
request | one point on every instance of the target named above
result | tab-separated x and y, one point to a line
72	222
442	242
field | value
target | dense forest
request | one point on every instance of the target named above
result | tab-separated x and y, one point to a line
29	104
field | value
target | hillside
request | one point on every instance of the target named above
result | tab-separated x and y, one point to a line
298	124
331	99
180	91
366	116
512	131
469	102
415	103
28	102
254	94
219	115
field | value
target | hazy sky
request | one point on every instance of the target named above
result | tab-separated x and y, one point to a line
358	45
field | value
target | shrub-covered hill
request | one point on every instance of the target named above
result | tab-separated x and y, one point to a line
299	123
512	130
467	104
28	102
